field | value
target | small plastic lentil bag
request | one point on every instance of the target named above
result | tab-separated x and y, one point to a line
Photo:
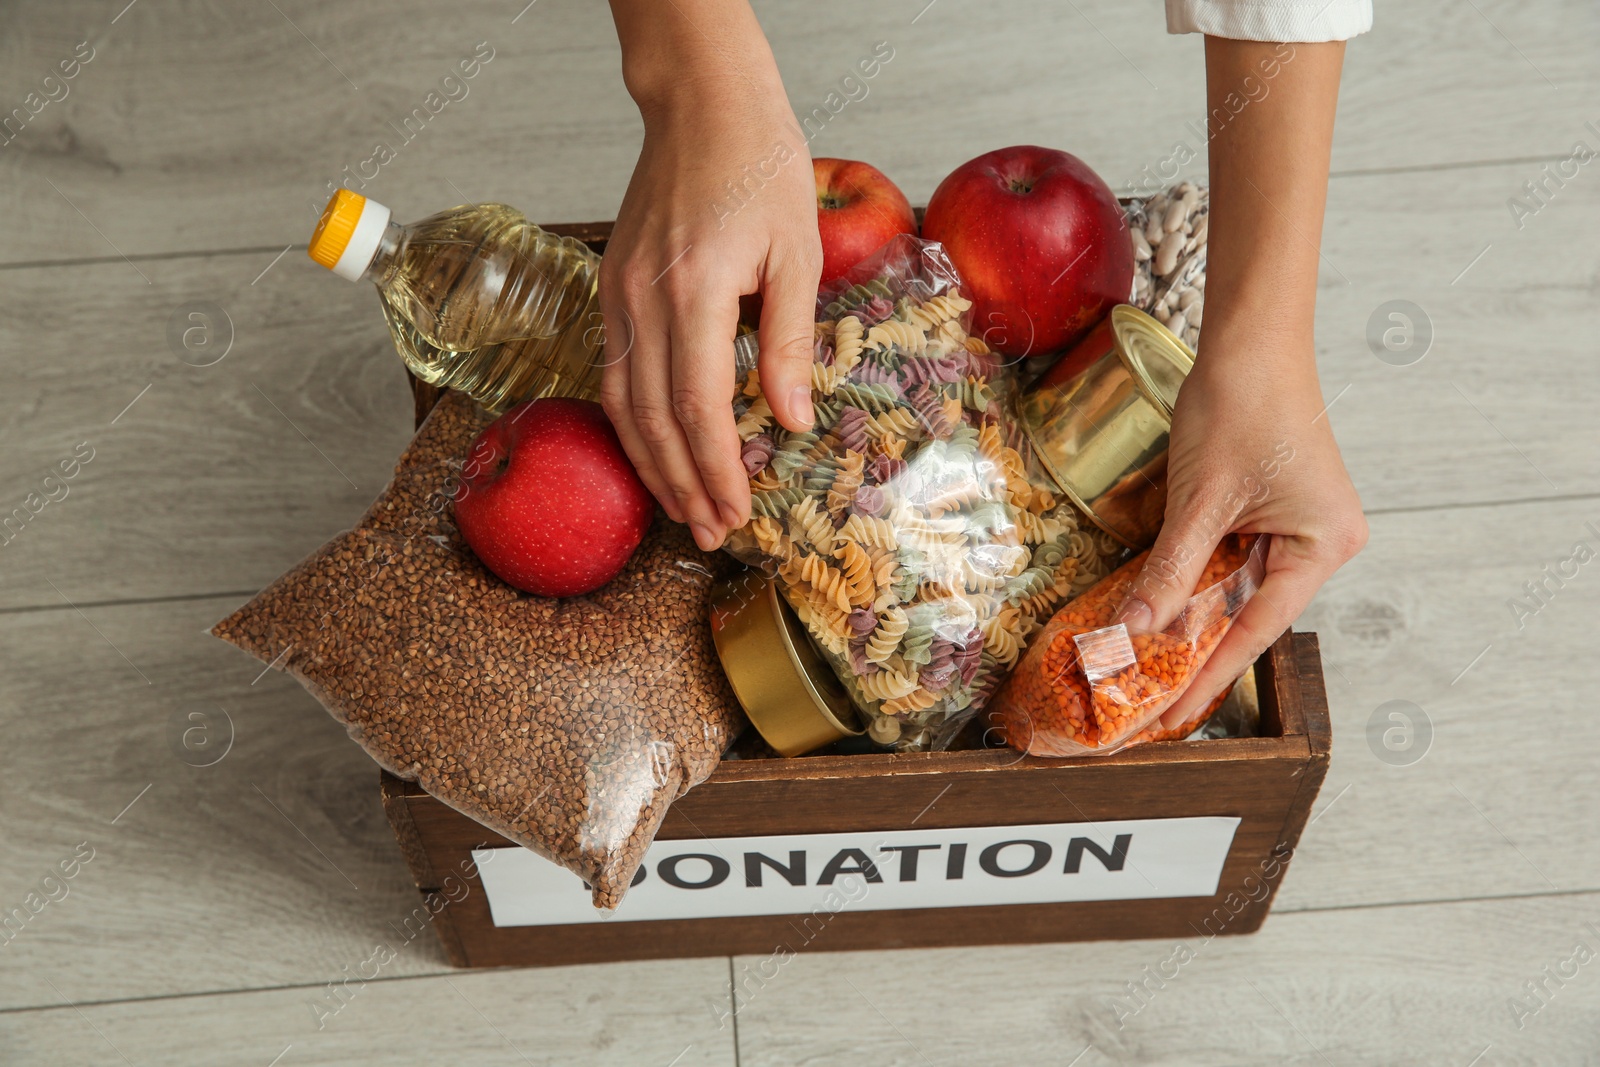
1089	687
909	529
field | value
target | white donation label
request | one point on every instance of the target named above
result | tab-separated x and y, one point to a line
795	874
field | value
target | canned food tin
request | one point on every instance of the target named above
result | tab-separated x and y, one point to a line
1100	418
789	692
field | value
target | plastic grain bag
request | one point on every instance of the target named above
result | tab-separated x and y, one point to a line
909	528
1088	687
566	725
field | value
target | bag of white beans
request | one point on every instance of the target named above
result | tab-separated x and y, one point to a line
1169	250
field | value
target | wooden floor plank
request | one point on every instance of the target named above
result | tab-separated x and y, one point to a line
1489	810
623	1015
221	477
1500	698
216	477
1417	985
200	126
1497	404
273	866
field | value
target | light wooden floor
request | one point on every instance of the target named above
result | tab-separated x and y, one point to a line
219	900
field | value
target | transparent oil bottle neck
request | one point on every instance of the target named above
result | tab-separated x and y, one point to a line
387	258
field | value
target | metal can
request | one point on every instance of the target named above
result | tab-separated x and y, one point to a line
1099	421
791	695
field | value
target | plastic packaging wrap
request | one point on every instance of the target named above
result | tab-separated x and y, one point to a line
568	726
909	528
1087	686
1169	252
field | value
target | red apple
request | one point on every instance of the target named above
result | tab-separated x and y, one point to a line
858	210
1040	242
549	501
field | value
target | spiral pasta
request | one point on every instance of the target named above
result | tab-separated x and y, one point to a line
887	685
811	526
886	636
814	571
757	417
939	310
856	566
848	340
903	335
870	532
846	480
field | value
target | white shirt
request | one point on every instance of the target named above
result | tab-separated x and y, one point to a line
1300	21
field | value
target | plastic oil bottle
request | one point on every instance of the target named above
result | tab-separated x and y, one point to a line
478	298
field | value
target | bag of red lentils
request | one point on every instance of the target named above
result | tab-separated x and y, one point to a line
1087	686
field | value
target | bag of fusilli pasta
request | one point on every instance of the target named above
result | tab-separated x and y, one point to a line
910	529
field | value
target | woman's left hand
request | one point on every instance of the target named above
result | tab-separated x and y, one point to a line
1251	452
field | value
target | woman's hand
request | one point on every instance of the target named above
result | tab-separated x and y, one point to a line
1251	453
722	203
1251	448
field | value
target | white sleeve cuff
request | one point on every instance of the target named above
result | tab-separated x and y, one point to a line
1300	21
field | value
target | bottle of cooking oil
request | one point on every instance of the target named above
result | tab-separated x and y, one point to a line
478	298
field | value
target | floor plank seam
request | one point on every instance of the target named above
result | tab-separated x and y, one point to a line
1424	168
1413	509
145	257
733	1010
732	989
446	972
229	593
1542	895
176	598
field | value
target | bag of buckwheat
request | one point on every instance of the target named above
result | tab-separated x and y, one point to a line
566	725
1168	231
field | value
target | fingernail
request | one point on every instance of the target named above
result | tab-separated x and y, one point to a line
673	509
703	537
800	402
1134	614
730	515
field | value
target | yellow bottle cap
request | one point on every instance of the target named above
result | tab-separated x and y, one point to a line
347	234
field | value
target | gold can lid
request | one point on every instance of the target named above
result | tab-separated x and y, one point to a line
1099	422
1153	354
791	695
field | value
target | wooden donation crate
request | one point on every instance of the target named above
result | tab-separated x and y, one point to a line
1173	839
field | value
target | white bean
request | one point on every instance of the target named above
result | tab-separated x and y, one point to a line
1141	247
1176	214
1177	322
1167	253
1187	300
1153	230
1194	314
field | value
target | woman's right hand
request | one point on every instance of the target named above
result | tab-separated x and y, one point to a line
721	203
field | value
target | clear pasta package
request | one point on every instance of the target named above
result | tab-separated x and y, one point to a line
1087	686
910	528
